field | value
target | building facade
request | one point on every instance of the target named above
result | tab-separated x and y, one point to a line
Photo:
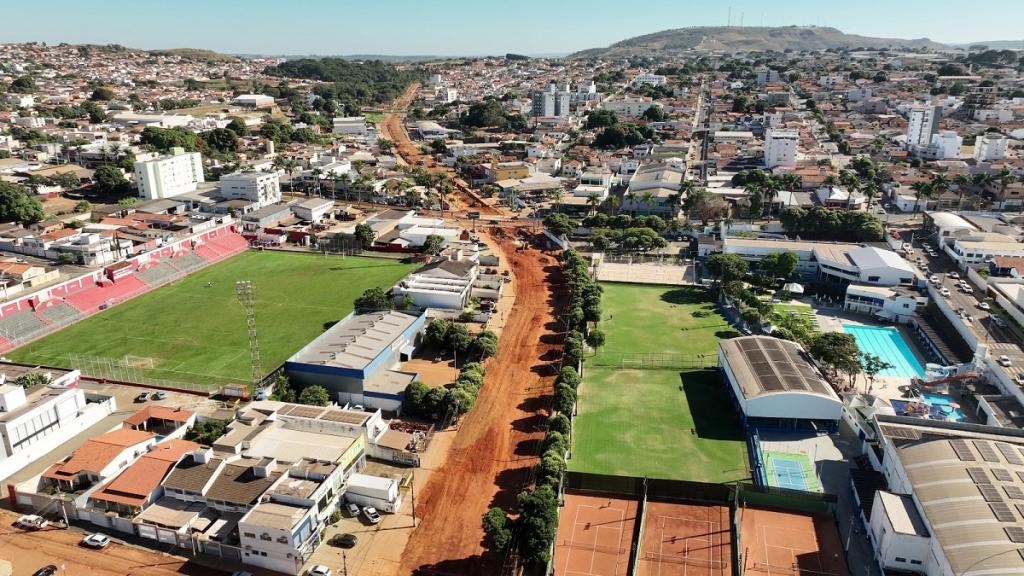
169	176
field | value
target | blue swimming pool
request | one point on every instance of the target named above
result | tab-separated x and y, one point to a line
945	406
887	343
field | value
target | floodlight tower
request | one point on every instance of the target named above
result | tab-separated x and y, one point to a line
246	295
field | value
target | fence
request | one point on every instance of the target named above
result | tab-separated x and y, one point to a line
660	259
653	488
142	370
654	360
785	499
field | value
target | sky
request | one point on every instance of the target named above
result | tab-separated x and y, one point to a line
472	27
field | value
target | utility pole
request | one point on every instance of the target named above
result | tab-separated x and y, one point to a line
246	296
413	498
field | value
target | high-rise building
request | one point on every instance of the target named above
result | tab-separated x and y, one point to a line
923	124
551	102
780	148
766	75
169	176
264	188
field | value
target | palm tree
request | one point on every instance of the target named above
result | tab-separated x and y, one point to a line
940	185
317	172
363	183
674	201
558	195
870	190
613	204
851	181
593	200
291	167
1005	177
962	181
753	190
769	191
346	179
921	189
649	199
830	181
631	196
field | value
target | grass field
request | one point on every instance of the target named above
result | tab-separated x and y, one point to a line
661	423
647	318
639	423
197	333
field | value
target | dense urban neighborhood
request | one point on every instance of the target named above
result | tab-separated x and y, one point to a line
712	301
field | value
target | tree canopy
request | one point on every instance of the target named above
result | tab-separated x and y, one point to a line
17	206
353	82
375	298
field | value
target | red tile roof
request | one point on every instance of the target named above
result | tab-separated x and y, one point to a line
160	413
134	486
97	453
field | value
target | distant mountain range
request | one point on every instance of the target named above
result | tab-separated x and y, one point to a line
747	39
995	44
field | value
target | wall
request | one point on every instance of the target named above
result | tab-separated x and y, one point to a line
890	545
950	314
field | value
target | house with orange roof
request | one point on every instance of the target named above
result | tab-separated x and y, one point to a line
139	484
99	458
164	421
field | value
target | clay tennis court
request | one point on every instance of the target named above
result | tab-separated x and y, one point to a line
777	543
594	536
685	540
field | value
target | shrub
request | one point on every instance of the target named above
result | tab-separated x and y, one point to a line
559	423
497	529
565	398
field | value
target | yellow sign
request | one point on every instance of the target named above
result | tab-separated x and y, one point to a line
353	452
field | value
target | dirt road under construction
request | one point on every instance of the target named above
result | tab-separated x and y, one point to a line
495	449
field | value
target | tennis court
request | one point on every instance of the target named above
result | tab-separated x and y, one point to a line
775	543
791	470
685	540
594	536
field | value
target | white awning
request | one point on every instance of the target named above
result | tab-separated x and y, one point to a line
793	288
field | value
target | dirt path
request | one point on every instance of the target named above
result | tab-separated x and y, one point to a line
495	448
30	551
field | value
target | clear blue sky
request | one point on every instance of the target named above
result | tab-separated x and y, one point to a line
461	27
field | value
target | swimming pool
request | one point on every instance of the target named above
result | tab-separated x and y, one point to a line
944	404
888	344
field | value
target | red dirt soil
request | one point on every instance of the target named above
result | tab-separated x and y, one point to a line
685	540
595	534
496	445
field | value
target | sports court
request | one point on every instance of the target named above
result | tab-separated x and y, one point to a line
685	540
777	543
594	536
791	470
644	273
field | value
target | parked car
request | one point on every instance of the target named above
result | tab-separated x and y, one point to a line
984	305
142	397
343	540
319	570
967	289
159	395
352	509
998	321
1019	378
1004	360
32	522
46	571
944	292
371	515
96	541
954	275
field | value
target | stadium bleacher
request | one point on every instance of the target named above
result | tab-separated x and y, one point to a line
59	314
89	301
22	326
189	261
159	274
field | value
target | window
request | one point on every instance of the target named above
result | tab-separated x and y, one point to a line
915	562
874	278
898	559
249	534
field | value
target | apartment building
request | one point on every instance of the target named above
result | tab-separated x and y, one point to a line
780	148
923	123
989	147
262	188
169	176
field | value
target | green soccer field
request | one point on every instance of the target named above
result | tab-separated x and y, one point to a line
658	424
641	318
672	422
194	330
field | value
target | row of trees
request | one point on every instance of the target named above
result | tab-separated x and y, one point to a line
314	395
820	223
440	402
445	334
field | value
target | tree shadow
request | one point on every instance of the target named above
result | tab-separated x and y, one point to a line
471	566
726	334
713	415
688	295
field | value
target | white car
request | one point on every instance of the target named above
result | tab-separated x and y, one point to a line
1004	360
967	289
1019	378
319	570
96	541
933	279
944	292
32	522
954	275
984	306
371	515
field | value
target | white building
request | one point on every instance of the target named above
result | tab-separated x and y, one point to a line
629	106
650	80
989	147
550	103
253	101
349	125
169	176
780	148
888	303
380	493
766	75
923	123
442	284
263	188
313	209
776	386
944	146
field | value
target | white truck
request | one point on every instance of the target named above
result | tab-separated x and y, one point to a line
378	492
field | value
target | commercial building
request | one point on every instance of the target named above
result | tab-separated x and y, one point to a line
313	209
629	106
831	262
262	188
780	148
660	180
650	80
442	284
767	75
255	101
893	304
356	360
923	123
349	125
169	176
775	385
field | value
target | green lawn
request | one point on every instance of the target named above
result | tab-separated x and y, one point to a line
646	318
196	333
639	423
375	117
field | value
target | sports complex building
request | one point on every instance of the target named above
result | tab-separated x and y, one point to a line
774	385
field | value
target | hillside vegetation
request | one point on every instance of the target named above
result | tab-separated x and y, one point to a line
360	83
746	39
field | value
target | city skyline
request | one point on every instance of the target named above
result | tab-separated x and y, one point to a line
462	27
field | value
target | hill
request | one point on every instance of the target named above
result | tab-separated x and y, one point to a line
747	39
196	54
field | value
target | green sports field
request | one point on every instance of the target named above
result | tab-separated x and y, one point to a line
674	423
643	318
195	331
